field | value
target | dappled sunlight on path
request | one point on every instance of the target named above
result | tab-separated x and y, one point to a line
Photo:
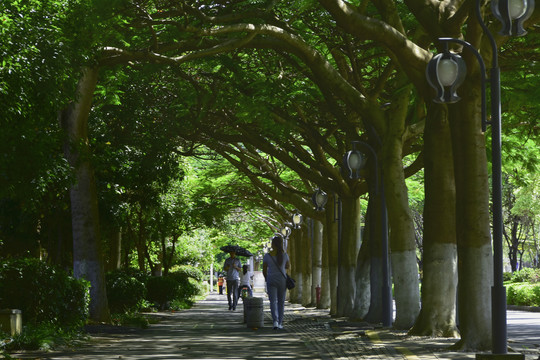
207	331
210	331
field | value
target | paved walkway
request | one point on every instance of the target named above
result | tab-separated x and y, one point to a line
210	331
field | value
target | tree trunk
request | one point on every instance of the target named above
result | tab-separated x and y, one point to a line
439	282
325	272
316	263
363	284
330	233
475	263
115	249
402	240
347	256
374	314
305	250
140	242
168	260
87	261
295	295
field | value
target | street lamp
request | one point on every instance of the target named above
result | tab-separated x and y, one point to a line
319	199
445	73
354	160
285	231
512	14
297	220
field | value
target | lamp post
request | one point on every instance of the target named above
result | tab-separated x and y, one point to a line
354	160
445	76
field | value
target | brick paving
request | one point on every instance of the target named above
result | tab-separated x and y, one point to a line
335	338
209	331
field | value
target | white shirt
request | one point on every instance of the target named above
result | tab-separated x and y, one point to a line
245	279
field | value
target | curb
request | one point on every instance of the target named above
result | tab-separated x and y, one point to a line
523	308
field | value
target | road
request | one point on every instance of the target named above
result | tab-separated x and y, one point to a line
523	329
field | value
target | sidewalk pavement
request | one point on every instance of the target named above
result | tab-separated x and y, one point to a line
210	331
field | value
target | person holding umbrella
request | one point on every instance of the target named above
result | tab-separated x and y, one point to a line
232	266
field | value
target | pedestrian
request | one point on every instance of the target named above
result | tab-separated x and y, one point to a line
232	266
220	284
245	281
275	265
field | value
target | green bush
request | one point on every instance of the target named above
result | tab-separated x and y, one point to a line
177	287
126	290
188	287
507	276
523	294
526	275
536	294
161	290
44	336
189	271
133	319
45	294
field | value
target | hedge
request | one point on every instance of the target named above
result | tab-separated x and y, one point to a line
523	294
44	293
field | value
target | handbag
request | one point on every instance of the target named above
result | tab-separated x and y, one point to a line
289	281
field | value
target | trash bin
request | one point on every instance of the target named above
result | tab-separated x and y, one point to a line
253	311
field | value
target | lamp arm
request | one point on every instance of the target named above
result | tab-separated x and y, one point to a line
495	59
482	73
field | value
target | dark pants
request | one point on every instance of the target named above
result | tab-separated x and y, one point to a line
220	289
232	290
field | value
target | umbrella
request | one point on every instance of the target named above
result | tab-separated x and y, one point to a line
240	251
243	252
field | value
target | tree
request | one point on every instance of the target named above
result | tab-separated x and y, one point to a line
87	257
362	71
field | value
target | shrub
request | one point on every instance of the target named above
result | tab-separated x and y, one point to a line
45	294
126	290
179	286
189	271
507	276
187	286
523	294
161	290
181	304
131	319
536	295
39	337
526	275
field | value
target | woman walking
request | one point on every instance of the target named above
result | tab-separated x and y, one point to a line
275	265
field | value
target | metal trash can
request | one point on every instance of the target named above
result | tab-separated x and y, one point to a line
253	312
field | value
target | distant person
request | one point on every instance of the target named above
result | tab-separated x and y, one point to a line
245	281
232	266
275	265
220	281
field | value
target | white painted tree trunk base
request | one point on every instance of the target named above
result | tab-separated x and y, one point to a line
406	288
439	289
